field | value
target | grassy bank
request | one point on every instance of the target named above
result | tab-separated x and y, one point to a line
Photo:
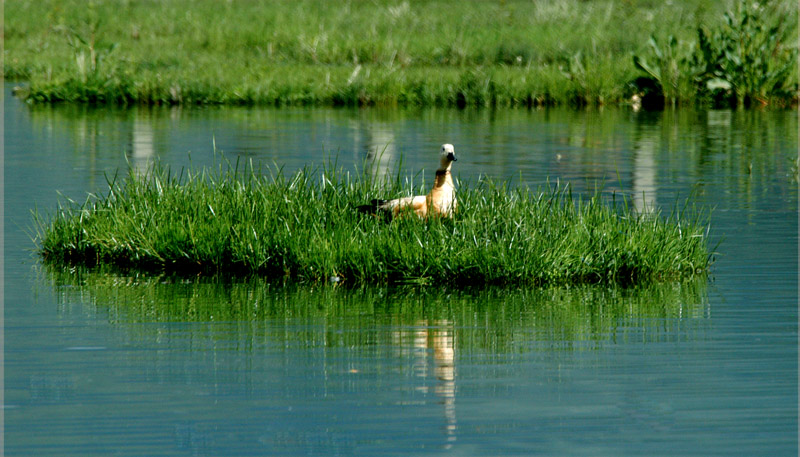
442	53
304	227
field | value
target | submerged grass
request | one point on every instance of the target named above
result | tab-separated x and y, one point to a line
304	227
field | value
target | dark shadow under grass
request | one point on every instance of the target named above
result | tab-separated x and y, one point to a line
303	227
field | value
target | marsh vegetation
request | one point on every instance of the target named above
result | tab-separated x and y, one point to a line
431	53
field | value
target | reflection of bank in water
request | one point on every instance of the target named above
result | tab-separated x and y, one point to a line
376	141
143	151
644	176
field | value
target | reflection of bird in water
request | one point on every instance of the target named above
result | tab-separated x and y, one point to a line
442	340
440	201
445	370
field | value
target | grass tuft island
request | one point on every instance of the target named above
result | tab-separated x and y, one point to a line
303	227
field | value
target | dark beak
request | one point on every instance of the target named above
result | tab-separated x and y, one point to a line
451	157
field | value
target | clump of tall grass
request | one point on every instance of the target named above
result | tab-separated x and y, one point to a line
304	227
749	58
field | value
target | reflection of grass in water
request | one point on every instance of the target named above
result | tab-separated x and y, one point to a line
501	319
305	227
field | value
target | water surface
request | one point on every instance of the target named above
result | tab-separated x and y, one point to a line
102	364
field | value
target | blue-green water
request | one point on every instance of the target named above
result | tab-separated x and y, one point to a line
98	364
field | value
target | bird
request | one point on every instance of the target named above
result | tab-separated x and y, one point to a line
440	201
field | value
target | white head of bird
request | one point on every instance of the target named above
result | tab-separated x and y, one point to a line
448	156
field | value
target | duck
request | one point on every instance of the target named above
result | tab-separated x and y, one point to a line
439	202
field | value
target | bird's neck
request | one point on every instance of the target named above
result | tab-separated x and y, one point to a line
442	177
444	167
